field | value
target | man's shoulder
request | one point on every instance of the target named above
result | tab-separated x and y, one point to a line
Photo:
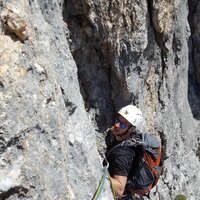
122	150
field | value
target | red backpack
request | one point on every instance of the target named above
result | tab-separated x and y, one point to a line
148	172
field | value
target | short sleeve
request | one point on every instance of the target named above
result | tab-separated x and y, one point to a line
120	161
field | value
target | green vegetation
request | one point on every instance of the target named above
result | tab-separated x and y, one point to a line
180	197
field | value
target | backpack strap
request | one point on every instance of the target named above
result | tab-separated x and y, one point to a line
133	141
148	143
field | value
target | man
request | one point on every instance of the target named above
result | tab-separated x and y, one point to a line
124	160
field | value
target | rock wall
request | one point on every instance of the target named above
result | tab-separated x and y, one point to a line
46	136
67	66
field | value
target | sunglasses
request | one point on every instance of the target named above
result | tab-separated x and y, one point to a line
122	124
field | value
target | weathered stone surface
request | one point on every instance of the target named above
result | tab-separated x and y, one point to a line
42	111
14	24
67	66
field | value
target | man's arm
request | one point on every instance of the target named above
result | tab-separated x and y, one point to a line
119	183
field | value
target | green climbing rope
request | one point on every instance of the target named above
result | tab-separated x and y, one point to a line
98	193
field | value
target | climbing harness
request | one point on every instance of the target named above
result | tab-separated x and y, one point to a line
98	193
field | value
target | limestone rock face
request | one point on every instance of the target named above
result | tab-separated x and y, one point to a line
46	135
66	67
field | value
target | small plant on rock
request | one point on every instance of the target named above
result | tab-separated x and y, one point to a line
180	197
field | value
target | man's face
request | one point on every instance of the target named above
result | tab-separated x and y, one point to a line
120	128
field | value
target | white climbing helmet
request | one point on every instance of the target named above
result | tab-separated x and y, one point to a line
133	115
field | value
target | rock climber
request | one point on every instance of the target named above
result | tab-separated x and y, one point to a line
124	161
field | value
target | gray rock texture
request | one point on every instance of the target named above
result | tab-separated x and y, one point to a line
66	67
